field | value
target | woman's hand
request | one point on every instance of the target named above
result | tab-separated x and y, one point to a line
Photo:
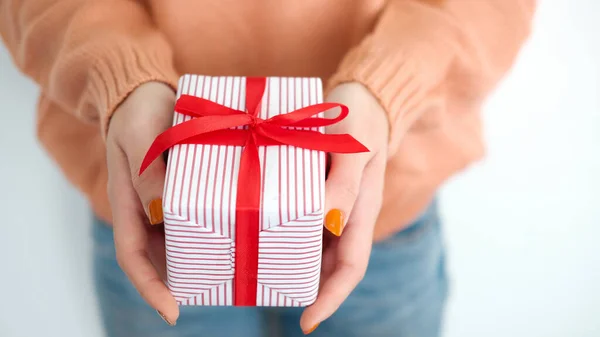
353	196
135	201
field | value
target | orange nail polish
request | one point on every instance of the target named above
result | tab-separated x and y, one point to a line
155	211
311	329
334	221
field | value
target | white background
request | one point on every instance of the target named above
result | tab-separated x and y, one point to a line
523	226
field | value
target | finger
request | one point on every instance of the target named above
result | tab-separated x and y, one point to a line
131	240
349	269
135	143
149	187
367	206
157	249
353	249
341	190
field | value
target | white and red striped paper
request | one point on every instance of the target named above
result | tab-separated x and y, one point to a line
200	196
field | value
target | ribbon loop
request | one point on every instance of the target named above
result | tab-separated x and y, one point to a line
255	89
302	116
181	133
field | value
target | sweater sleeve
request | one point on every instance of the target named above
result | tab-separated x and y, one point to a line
423	54
86	55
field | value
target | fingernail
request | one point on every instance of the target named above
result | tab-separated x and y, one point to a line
311	329
165	318
334	221
155	211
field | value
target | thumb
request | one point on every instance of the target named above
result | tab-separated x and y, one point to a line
149	187
341	190
150	114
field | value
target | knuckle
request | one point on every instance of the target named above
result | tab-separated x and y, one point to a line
147	288
151	182
348	189
150	290
135	162
139	181
351	189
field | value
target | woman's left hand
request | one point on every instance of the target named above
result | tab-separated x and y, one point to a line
353	196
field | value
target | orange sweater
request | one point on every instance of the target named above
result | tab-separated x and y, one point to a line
430	63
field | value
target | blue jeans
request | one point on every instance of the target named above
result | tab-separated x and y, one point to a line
403	294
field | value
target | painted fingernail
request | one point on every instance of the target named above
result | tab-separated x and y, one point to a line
155	211
311	329
334	221
165	318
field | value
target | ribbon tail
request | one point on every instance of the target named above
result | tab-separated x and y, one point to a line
247	226
307	139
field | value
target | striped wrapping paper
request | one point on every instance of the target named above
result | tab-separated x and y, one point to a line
200	196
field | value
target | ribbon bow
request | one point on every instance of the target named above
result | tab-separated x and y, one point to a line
214	125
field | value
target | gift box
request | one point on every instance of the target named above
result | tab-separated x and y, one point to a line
243	201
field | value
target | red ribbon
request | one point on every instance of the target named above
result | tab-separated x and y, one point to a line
214	124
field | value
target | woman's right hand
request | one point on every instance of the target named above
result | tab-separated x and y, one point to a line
136	200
